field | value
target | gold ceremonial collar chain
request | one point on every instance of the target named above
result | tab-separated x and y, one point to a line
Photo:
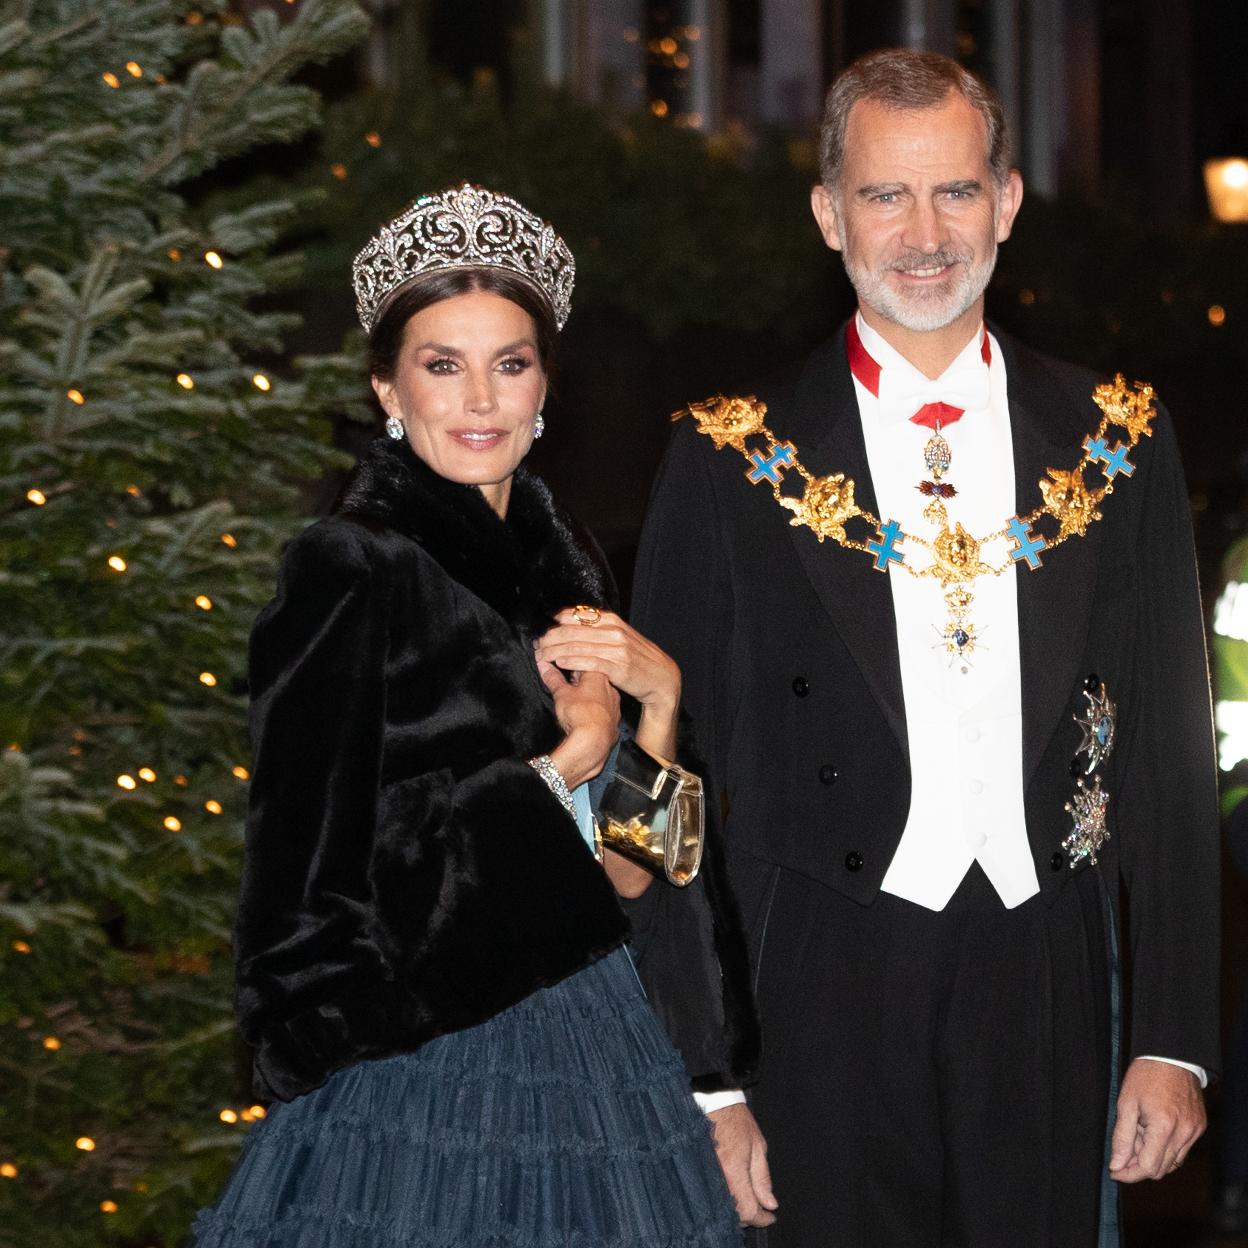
826	505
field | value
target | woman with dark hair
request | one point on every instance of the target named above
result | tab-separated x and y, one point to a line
431	965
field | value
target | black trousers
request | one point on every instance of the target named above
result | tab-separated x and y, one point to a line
934	1079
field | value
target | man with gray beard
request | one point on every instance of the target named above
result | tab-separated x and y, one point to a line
935	603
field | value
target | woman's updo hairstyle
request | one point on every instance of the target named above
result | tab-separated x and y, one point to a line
386	339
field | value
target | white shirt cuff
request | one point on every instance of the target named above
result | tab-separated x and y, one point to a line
709	1102
1199	1071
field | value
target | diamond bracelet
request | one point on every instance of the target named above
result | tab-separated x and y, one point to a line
545	768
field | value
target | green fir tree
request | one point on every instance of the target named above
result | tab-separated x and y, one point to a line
153	443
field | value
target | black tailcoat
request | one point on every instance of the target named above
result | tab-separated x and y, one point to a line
789	654
407	872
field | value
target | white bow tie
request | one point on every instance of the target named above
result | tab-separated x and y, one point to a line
903	391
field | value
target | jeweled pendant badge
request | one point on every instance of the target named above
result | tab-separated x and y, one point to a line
936	454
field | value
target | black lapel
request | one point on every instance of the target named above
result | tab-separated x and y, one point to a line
1048	424
824	424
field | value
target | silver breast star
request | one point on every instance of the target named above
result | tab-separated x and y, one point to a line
1087	809
1099	725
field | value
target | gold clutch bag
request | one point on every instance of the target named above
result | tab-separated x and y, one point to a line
652	813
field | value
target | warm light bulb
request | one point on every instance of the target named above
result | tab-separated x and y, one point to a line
85	1143
134	69
20	946
373	139
38	497
261	382
186	381
181	781
127	782
658	108
203	602
207	678
174	254
339	170
258	1111
111	78
212	259
117	563
51	1043
1226	186
228	1115
8	1170
229	539
172	823
241	773
76	396
1235	173
212	806
1217	314
146	773
134	491
108	1206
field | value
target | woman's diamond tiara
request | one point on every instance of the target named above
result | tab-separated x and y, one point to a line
459	229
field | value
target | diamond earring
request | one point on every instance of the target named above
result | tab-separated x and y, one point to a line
394	427
539	426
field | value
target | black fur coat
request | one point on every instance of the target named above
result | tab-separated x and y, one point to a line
407	872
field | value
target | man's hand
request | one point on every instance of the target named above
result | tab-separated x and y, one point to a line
1161	1114
742	1153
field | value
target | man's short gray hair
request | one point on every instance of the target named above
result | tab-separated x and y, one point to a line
902	78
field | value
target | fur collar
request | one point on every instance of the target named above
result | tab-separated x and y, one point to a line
526	567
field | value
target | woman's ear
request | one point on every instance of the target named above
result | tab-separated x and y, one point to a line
384	390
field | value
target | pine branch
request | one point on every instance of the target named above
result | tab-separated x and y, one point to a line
287	54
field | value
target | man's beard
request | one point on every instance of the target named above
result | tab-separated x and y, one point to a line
927	307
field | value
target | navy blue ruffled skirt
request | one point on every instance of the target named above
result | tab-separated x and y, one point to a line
563	1122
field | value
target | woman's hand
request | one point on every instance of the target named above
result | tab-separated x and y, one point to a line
588	710
631	662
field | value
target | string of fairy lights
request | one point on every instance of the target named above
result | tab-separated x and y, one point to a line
51	1043
119	565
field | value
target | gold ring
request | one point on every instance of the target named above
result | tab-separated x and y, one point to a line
586	614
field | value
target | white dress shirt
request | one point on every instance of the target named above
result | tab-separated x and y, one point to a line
963	715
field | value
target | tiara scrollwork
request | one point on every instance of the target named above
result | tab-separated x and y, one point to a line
467	227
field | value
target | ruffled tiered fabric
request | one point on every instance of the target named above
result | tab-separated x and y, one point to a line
564	1122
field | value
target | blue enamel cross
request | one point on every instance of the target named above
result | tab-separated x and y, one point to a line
1115	461
770	468
1028	547
883	547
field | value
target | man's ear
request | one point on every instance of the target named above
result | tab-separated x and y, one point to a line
1011	201
824	208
